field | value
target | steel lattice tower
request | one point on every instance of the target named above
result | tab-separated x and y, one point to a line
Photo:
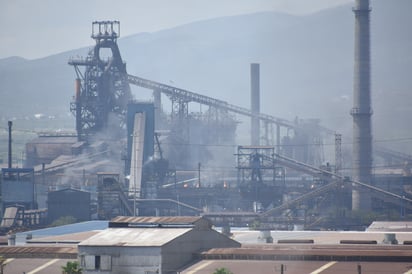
103	92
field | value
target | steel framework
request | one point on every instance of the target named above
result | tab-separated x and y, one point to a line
103	91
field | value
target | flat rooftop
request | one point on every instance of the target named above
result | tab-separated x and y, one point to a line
298	267
245	236
325	255
318	252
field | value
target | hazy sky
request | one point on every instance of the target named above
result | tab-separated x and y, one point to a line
38	28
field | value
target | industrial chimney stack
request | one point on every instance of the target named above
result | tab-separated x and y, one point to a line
10	124
362	111
255	103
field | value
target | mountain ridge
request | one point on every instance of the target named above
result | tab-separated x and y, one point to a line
306	65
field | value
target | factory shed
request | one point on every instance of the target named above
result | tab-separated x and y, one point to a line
69	202
45	148
149	245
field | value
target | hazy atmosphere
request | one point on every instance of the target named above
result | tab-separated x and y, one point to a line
305	50
205	136
37	29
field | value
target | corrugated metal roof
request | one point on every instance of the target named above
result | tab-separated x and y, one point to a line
165	222
293	266
157	220
66	251
54	140
144	237
65	229
35	265
390	226
74	238
259	251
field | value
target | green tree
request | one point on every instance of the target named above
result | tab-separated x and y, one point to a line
72	268
222	270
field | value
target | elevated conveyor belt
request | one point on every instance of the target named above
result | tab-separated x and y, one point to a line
189	96
295	202
166	203
390	154
334	179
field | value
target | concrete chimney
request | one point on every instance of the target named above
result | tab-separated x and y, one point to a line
255	104
362	111
10	161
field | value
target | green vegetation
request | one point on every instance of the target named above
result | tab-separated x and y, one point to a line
64	220
255	225
222	270
72	268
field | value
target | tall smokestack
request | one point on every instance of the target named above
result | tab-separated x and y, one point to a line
362	111
10	123
255	104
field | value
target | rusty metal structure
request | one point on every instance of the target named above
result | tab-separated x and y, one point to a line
282	155
112	200
102	92
193	139
260	179
220	115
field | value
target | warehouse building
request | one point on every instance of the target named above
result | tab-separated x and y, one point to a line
69	202
149	245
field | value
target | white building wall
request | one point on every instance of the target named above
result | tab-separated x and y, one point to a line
180	251
119	259
163	259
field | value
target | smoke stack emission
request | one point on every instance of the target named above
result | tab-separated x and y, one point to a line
255	104
362	111
10	123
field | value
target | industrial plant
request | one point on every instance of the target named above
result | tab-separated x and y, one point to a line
134	157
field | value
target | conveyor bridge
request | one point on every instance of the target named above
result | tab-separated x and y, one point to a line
273	218
333	179
188	96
